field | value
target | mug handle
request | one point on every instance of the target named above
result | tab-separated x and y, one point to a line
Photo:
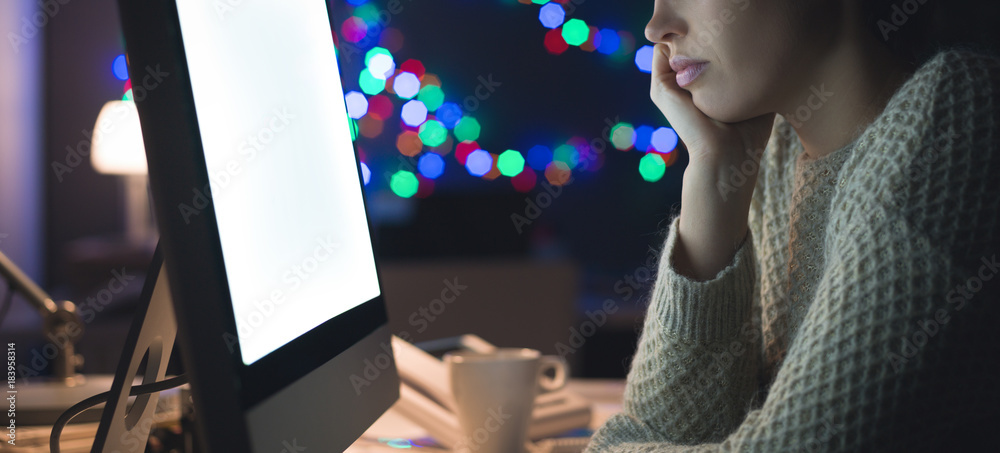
559	365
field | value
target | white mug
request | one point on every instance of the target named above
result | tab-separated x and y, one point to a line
495	393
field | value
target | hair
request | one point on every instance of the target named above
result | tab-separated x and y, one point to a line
905	27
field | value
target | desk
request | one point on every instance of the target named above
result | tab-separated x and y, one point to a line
605	394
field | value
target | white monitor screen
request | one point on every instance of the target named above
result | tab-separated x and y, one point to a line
282	170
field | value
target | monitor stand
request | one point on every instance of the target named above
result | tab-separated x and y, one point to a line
125	427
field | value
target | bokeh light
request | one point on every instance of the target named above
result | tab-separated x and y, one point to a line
554	42
380	107
408	143
539	157
370	84
525	181
413	66
552	15
510	163
479	162
449	114
575	32
413	113
557	173
370	127
376	51
609	42
567	154
433	133
644	59
467	129
406	85
119	67
391	39
382	66
431	96
431	165
652	167
463	149
366	173
357	104
664	140
622	136
354	29
404	183
643	137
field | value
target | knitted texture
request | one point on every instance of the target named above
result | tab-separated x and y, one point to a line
860	314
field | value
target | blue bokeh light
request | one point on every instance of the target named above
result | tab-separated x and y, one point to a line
539	157
449	114
431	165
479	163
406	85
357	104
414	113
366	173
120	68
552	15
610	41
644	59
643	138
664	139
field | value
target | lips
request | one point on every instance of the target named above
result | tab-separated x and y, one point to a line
687	69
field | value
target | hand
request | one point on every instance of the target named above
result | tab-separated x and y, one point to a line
713	222
705	138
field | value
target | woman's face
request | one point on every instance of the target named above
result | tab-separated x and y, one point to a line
759	52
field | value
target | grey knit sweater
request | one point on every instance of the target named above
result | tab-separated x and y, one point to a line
861	312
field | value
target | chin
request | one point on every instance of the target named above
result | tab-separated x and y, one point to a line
719	108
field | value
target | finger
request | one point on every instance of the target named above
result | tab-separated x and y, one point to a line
675	102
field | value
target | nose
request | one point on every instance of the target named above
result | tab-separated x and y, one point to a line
665	24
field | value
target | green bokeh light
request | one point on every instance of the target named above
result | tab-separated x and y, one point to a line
567	154
376	51
404	184
354	128
368	12
431	96
467	129
652	167
433	133
369	84
575	32
510	163
622	135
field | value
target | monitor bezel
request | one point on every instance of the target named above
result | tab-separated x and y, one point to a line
177	171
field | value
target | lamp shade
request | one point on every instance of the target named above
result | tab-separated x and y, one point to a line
117	144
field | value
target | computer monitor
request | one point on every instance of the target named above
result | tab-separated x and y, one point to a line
257	192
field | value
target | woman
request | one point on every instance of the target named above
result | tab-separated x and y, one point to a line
828	284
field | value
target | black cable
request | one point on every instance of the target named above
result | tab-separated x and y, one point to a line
103	397
8	299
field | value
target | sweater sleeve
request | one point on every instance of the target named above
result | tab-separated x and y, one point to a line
694	373
899	349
